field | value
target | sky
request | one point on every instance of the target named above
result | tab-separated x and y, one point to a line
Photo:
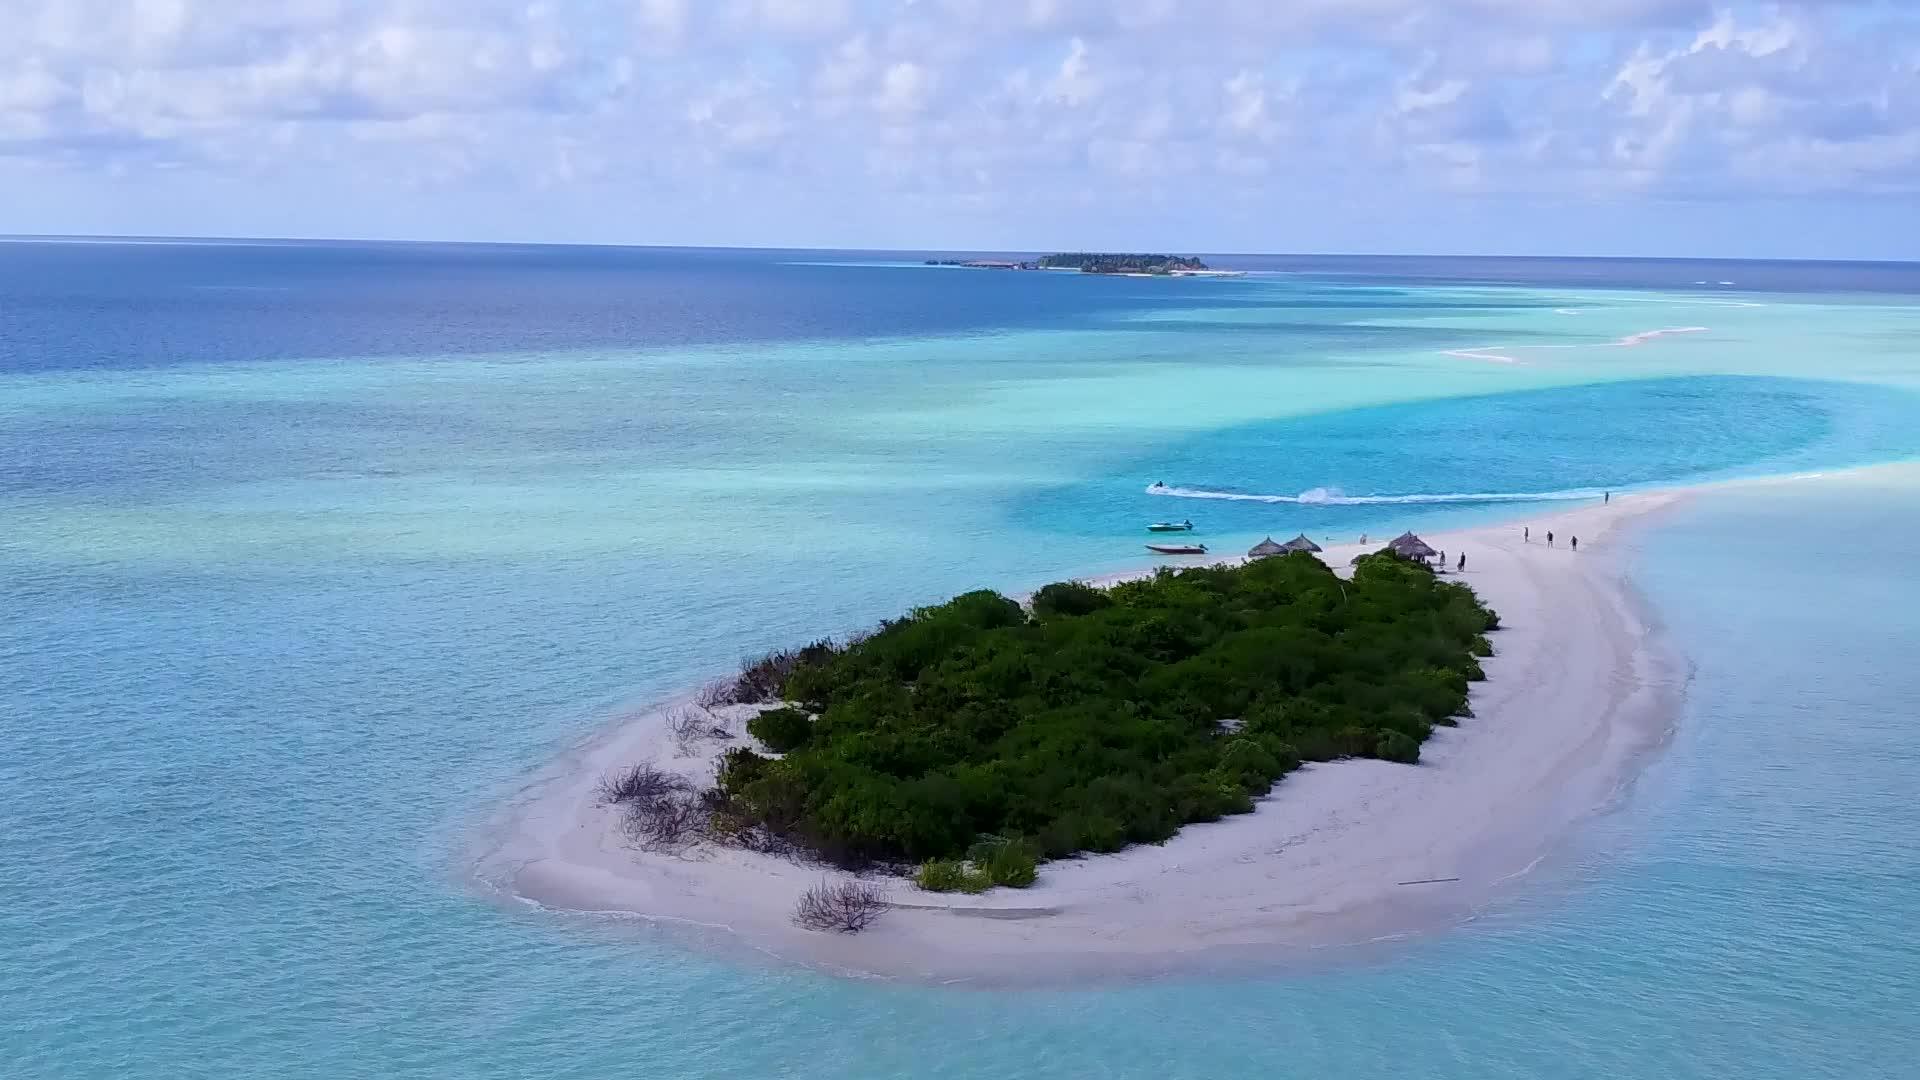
1600	127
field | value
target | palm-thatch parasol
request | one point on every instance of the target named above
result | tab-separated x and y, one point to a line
1300	543
1265	548
1409	546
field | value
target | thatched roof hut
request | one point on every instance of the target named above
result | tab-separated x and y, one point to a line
1300	543
1409	546
1266	548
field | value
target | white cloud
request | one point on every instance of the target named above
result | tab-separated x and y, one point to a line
790	17
739	117
32	89
1074	82
1247	102
661	22
1715	110
981	102
1416	95
846	68
903	88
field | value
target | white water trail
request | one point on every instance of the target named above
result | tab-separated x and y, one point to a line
1335	497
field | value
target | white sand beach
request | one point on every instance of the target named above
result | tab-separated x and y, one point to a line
1577	691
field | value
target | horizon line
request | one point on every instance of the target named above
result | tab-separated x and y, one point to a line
163	238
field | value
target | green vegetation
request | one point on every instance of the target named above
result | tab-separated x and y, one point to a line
993	861
950	875
1105	263
973	738
781	730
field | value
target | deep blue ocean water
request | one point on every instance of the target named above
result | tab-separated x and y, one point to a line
310	552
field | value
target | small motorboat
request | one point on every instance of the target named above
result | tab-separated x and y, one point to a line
1177	549
1171	526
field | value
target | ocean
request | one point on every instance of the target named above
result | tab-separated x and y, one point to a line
313	552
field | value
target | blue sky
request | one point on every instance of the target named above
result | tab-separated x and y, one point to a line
1659	127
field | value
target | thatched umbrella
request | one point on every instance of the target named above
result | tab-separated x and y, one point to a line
1265	548
1300	543
1409	546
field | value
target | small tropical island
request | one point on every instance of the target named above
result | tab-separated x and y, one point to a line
1098	263
1128	265
1057	786
966	744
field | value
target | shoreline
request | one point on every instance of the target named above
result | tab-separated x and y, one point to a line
1337	854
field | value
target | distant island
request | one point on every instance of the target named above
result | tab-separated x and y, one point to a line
1101	263
1130	265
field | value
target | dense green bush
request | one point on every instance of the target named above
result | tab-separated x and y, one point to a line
950	875
1396	746
1013	863
994	861
738	768
1069	598
1099	721
781	730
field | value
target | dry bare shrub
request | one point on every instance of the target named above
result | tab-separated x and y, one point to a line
639	783
726	825
847	908
690	724
667	823
659	810
715	694
761	679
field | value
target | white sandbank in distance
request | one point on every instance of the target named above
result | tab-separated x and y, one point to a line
1579	689
1502	354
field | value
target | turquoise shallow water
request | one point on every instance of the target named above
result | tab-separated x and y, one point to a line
291	610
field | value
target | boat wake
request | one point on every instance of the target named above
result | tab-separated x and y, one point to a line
1335	497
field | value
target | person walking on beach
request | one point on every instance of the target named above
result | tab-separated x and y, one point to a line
1606	497
1549	537
1576	543
1462	568
1526	534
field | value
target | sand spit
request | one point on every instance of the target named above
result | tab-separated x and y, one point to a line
1578	691
1503	354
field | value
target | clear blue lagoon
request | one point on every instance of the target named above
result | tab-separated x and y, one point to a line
311	553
